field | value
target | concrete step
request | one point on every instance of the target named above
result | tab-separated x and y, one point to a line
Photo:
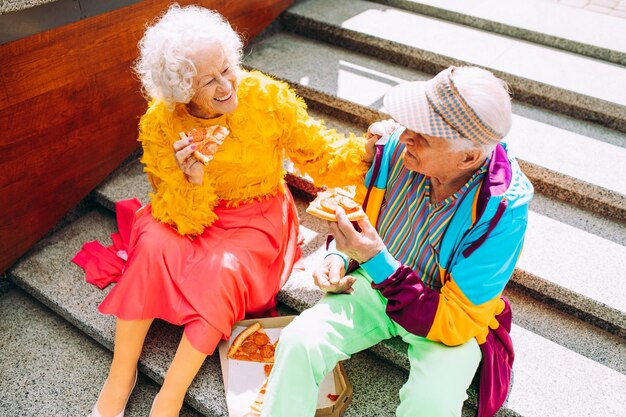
572	258
575	260
577	161
49	368
548	369
569	83
47	274
546	23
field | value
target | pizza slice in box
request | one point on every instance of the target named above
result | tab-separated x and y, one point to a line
326	202
207	140
253	345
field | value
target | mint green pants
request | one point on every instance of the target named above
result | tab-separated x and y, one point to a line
343	324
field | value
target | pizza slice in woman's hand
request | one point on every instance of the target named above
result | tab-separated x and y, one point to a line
207	140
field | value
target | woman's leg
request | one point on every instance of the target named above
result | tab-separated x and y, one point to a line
439	377
129	338
180	375
310	346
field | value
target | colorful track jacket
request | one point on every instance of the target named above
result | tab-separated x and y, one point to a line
476	260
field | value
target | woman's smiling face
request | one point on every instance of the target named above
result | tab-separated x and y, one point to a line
215	83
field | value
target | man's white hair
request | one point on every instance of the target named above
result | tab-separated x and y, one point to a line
489	97
164	68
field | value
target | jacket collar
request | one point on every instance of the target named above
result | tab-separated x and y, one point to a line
497	179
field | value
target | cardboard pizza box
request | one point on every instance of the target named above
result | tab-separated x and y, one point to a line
243	380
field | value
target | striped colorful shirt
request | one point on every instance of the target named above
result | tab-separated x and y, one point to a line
410	226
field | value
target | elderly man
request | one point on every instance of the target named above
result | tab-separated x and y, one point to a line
450	209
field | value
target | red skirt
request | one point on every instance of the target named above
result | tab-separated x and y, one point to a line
232	271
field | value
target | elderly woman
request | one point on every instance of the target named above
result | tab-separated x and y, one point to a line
218	241
449	208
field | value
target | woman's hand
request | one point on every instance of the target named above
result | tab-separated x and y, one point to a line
360	246
191	167
330	276
374	133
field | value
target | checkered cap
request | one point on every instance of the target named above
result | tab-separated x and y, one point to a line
437	108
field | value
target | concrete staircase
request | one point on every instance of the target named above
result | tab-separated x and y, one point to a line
568	291
53	366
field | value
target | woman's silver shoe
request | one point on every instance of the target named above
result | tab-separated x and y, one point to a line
96	413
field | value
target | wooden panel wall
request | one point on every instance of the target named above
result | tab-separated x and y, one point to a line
69	107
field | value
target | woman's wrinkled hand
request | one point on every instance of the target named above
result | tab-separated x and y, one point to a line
331	276
374	133
360	246
191	167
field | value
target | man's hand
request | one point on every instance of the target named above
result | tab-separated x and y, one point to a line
361	246
374	133
330	276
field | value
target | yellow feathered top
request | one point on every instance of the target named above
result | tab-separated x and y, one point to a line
269	123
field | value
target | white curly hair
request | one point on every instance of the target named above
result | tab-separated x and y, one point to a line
164	68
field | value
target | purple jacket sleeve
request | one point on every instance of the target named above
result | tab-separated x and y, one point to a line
411	304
